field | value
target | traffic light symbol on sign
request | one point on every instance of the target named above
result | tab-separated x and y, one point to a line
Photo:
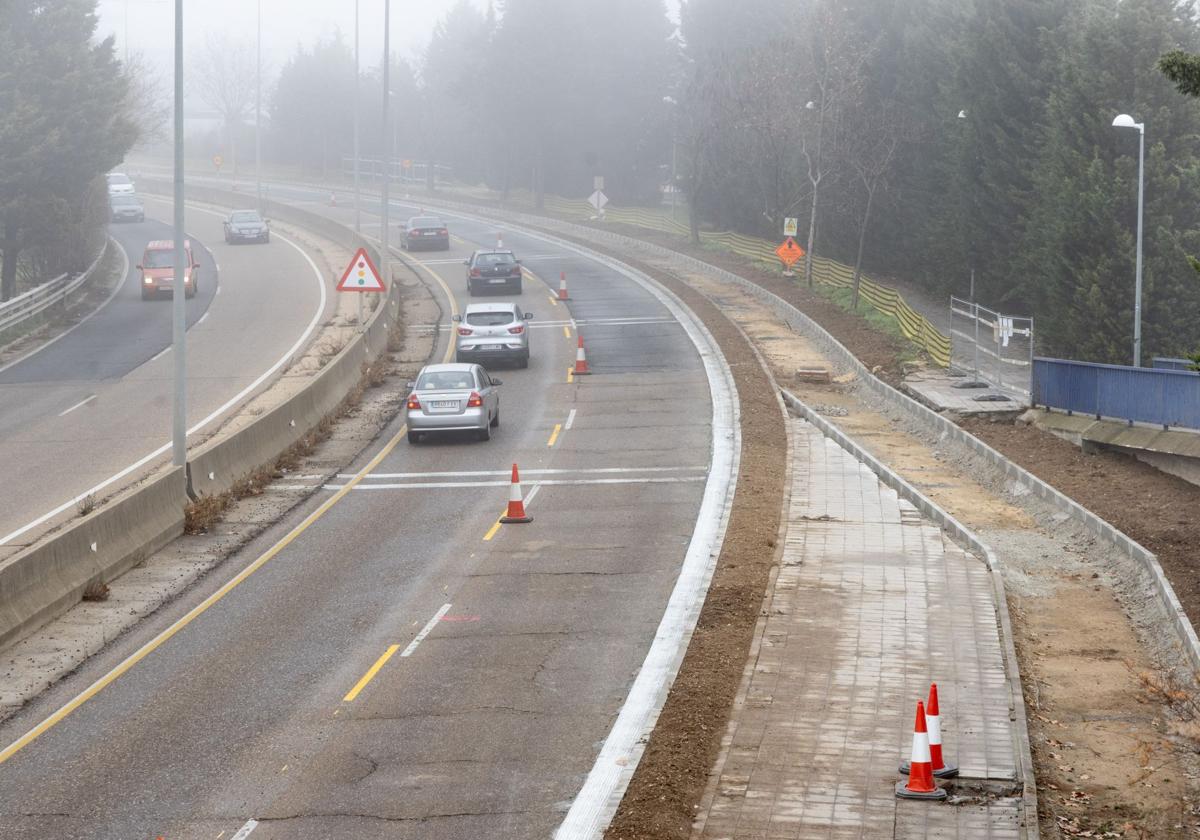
361	275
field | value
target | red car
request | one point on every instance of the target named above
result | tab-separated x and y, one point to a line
158	269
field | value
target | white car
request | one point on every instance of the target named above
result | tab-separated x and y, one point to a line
119	184
488	333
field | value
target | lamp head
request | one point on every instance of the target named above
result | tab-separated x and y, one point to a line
962	115
1126	121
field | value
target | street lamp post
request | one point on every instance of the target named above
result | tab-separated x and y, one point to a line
357	210
1126	121
384	255
178	294
258	192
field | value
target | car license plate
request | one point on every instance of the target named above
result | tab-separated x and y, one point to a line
445	403
492	347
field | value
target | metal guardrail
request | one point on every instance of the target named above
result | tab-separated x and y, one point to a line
41	297
1136	395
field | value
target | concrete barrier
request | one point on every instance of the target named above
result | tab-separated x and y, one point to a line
47	578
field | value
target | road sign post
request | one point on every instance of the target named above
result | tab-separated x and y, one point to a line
598	200
361	276
789	254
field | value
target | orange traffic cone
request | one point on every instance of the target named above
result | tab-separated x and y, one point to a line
933	723
516	502
499	241
562	285
920	783
332	200
581	365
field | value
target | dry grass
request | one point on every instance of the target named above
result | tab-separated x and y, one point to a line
97	590
86	505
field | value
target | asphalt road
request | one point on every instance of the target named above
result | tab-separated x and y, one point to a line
511	648
98	400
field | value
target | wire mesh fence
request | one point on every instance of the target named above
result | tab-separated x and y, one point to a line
991	347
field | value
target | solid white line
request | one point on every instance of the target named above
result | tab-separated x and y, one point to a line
200	320
161	353
120	284
529	497
245	830
570	421
217	292
453	485
79	404
508	472
237	398
425	631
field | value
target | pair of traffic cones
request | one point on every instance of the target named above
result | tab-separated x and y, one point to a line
927	762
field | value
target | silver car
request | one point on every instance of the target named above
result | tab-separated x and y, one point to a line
492	332
453	398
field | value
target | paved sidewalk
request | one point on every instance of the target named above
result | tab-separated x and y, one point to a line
871	604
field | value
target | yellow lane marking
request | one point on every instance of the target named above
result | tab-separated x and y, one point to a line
370	675
554	434
553	301
158	641
567	332
492	531
570	375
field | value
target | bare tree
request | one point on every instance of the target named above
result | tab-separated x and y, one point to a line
836	67
147	101
223	77
871	144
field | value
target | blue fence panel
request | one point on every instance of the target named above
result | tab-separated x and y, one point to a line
1142	395
1168	363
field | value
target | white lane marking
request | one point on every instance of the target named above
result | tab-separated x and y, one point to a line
549	482
217	292
120	284
570	421
200	320
233	401
508	472
161	353
529	497
595	322
451	260
79	404
245	830
425	631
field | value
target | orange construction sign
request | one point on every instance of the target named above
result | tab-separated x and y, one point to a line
789	252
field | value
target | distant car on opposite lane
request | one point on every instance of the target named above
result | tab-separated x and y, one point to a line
493	269
126	207
488	333
247	226
453	398
425	232
119	183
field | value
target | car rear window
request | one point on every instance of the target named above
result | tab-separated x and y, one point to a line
245	216
446	380
425	223
489	319
125	200
158	258
494	259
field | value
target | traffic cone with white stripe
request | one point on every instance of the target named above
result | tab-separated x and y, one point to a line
562	285
920	784
499	241
933	723
581	365
516	502
332	200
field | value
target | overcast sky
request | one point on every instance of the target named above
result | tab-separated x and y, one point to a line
286	23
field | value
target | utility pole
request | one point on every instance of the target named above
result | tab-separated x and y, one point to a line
258	116
178	288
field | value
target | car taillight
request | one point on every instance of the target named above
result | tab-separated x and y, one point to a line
465	331
475	401
443	232
474	272
517	330
414	404
516	270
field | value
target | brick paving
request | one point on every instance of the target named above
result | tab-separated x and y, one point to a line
871	604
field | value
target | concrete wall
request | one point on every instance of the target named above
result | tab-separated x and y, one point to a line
47	578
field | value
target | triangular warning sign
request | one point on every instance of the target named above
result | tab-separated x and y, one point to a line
361	275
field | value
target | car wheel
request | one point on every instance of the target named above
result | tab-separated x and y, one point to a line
518	287
147	295
413	437
267	239
523	362
471	290
486	432
496	419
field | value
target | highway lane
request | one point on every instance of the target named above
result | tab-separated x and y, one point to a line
488	726
98	400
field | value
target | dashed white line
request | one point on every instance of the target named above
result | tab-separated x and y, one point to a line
425	631
245	830
454	485
508	472
200	320
160	353
79	404
570	421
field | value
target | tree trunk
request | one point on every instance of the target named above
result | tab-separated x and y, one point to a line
862	239
812	235
8	274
